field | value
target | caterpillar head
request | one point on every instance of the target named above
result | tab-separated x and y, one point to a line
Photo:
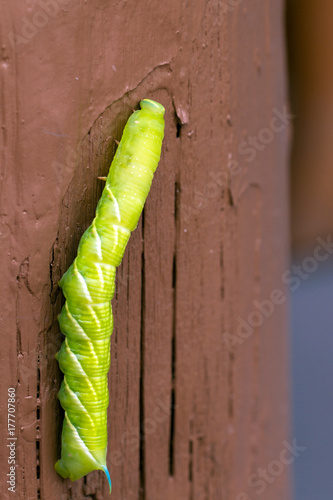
152	106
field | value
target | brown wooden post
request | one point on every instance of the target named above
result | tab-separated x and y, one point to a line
199	380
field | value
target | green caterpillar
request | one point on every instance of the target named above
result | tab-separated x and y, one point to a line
88	286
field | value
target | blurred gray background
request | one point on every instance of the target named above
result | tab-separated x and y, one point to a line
312	371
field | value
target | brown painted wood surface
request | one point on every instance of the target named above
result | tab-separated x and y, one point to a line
193	412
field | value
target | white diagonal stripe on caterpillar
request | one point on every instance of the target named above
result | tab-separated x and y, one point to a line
98	268
116	237
108	189
82	280
75	431
91	344
95	232
76	360
78	400
94	315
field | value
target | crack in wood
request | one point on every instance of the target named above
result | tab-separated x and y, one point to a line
142	488
173	341
38	461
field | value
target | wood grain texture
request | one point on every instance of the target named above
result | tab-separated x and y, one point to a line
191	415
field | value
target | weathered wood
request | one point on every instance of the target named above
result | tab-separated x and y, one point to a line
193	412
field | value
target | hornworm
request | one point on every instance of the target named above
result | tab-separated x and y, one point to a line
88	286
